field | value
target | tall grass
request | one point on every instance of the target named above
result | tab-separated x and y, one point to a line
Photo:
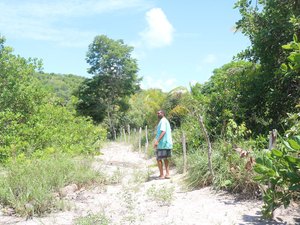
34	182
229	170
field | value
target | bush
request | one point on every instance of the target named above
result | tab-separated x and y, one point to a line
51	129
279	170
35	181
229	170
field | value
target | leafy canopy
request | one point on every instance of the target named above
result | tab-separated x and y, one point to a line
114	79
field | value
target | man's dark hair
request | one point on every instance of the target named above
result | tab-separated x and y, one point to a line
163	111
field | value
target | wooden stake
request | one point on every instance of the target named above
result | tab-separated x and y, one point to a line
147	142
184	153
209	150
140	139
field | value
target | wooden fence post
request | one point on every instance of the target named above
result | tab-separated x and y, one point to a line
128	131
124	133
147	142
184	153
140	139
209	150
272	139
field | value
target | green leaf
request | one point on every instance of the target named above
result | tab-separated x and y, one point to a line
259	178
293	177
294	144
269	163
227	183
291	159
288	146
277	153
295	38
295	46
297	57
291	66
259	161
261	169
287	47
295	187
284	67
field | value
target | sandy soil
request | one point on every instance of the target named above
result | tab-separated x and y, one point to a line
135	196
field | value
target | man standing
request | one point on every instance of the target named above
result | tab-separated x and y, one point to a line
163	144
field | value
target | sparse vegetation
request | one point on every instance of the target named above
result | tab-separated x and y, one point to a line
162	195
93	219
35	181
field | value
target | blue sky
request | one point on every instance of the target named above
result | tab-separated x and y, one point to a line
176	42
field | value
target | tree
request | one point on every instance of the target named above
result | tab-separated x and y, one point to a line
150	101
31	121
114	79
19	91
269	24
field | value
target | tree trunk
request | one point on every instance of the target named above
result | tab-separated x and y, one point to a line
111	124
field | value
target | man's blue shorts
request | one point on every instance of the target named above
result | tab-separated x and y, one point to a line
163	153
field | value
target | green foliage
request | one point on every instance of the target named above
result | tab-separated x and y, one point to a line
163	195
31	119
232	93
50	129
235	132
143	107
192	132
93	219
177	105
294	57
198	173
293	122
62	131
270	24
230	170
34	181
62	85
280	170
19	91
114	79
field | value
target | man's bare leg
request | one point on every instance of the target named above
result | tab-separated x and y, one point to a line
160	167
166	161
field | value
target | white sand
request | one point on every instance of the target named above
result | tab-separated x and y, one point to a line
132	202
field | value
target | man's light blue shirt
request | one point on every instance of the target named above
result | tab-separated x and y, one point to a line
166	141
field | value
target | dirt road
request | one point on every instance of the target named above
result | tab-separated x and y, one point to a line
133	195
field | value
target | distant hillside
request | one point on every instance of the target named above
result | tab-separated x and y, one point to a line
63	85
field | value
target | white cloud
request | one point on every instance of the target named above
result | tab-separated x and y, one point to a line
50	20
165	85
67	8
209	59
160	31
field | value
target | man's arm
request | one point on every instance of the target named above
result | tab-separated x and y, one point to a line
159	138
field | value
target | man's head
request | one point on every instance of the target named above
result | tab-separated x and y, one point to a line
161	113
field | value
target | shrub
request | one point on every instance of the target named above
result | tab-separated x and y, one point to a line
34	181
279	170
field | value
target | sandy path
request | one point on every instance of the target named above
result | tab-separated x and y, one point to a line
133	196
